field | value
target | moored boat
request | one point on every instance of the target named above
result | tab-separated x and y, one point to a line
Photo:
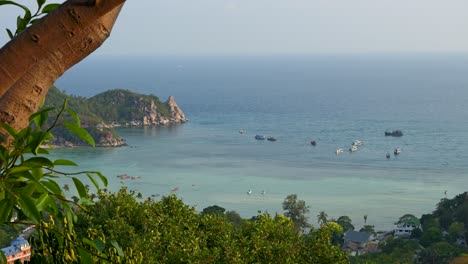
271	139
357	143
394	133
397	151
339	151
259	137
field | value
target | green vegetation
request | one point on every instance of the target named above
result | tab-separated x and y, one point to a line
29	194
296	210
438	241
110	106
119	106
169	231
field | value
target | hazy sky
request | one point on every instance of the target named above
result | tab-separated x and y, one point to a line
283	26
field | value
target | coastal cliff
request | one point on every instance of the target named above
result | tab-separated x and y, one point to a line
114	108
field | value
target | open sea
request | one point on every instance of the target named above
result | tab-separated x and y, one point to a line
333	99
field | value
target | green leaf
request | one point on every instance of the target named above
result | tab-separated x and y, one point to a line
6	206
48	8
53	187
80	132
38	139
28	208
43	202
74	116
85	257
80	188
10	34
40	3
6	2
64	162
41	116
17	169
37	162
13	132
37	173
103	178
42	151
116	246
3	258
91	177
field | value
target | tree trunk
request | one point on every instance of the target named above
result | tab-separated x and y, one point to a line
31	62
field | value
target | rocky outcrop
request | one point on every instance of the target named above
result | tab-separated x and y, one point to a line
177	116
109	140
115	108
151	116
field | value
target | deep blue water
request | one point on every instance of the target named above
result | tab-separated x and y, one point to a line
331	99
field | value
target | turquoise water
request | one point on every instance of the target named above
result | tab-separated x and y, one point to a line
333	100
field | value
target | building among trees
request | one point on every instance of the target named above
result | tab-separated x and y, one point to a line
19	250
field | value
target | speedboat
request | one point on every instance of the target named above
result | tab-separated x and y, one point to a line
394	133
339	151
387	155
313	143
241	131
271	138
397	151
259	137
353	148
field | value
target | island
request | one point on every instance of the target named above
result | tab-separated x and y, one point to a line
103	112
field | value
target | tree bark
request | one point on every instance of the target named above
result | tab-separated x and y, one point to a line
31	62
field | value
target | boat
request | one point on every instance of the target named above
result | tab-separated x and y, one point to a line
271	138
242	131
339	151
357	143
353	148
394	133
313	143
397	151
249	192
123	176
259	137
387	155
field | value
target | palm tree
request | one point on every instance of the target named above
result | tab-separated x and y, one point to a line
66	187
322	218
365	219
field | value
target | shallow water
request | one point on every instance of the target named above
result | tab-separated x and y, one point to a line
333	100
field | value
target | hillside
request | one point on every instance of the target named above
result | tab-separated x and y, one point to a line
113	108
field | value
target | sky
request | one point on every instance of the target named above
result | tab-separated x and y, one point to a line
197	27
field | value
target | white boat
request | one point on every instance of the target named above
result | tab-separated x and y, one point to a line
339	151
353	148
358	143
241	131
249	192
397	151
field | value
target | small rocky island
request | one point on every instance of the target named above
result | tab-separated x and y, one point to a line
102	113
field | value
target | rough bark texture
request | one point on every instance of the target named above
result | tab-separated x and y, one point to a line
35	59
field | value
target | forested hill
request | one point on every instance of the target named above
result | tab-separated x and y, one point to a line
119	107
100	113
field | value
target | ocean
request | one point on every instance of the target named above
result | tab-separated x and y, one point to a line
332	99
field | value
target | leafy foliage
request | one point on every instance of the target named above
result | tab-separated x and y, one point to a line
168	231
296	210
29	194
109	106
22	22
